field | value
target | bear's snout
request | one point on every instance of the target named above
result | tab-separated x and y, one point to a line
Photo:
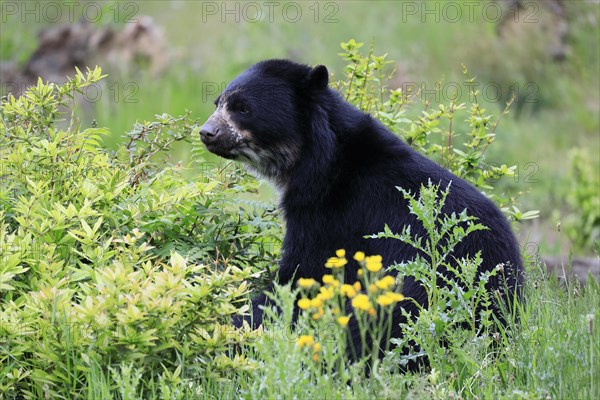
209	131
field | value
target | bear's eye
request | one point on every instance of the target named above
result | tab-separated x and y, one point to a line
244	109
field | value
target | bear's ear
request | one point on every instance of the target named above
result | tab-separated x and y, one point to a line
318	78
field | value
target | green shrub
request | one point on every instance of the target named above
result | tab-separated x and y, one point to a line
115	260
583	222
458	313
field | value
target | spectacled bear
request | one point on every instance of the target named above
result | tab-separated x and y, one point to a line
337	169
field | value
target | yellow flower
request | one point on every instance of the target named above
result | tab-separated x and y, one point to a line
320	312
343	321
372	312
372	288
361	302
395	296
326	293
304	303
389	298
385	282
357	286
384	300
360	272
374	263
305	341
348	290
306	283
359	256
330	280
316	302
336	262
316	349
340	253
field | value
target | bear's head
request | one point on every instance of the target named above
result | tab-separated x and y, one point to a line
263	116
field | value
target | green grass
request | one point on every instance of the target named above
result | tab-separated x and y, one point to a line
552	352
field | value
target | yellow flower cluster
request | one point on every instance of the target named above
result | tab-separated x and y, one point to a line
385	282
333	293
325	293
330	280
305	341
336	262
309	341
379	291
348	290
389	298
304	303
359	256
373	263
362	302
306	283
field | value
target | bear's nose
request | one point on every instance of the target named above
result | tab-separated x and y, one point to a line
209	130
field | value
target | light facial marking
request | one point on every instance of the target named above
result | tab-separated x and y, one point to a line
271	163
239	134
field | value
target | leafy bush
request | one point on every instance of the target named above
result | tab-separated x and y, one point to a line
94	276
583	223
458	312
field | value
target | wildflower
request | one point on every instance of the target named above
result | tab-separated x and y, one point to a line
316	302
304	303
395	296
359	256
316	349
336	262
320	312
306	283
343	321
389	298
372	288
326	293
330	280
360	272
357	286
340	253
372	312
305	341
361	302
348	290
384	300
385	282
374	263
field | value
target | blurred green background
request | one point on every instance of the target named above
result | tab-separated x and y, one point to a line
547	53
